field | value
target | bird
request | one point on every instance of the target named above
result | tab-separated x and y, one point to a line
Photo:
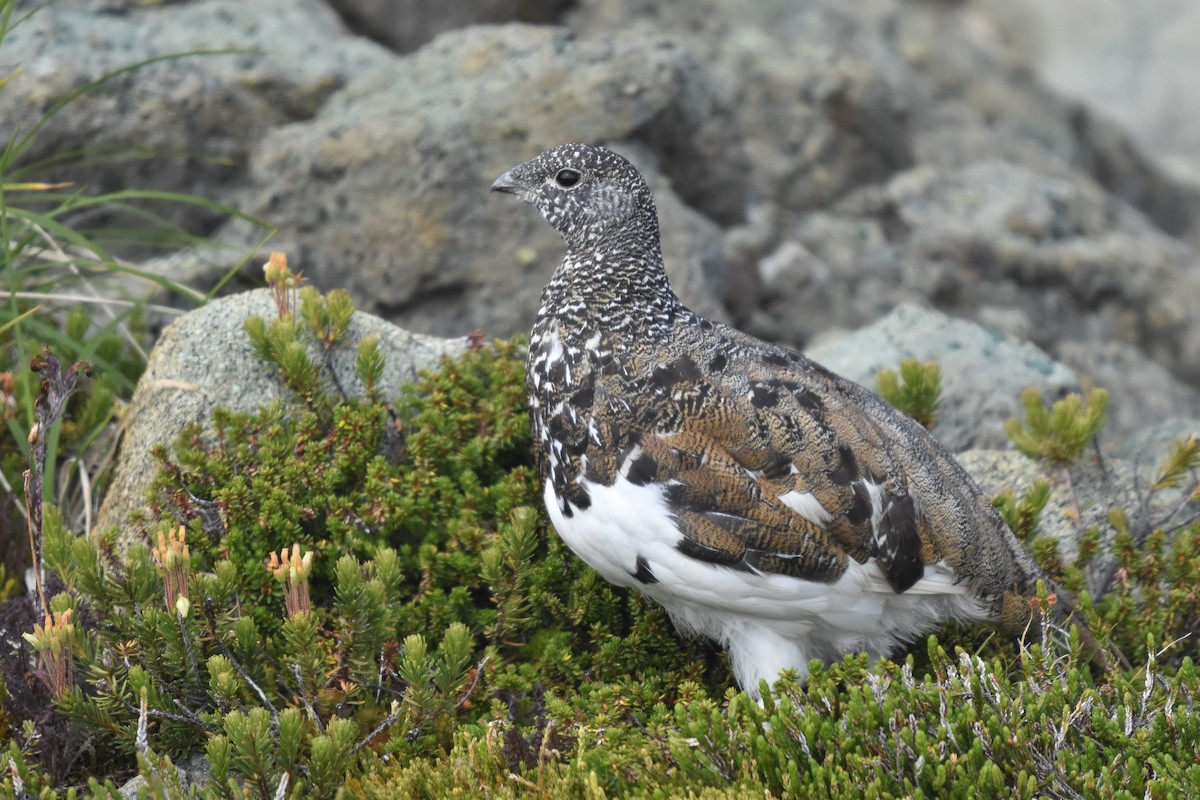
783	511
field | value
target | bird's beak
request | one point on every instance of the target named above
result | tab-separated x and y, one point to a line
507	183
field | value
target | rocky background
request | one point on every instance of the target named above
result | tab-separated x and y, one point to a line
819	166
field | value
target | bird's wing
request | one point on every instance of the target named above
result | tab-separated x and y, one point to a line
783	467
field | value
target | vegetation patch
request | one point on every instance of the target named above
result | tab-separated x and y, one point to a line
351	596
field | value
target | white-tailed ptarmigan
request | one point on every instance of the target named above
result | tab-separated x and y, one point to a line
764	501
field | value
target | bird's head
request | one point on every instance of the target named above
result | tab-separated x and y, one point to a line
585	191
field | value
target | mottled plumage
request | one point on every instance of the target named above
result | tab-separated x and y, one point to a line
766	502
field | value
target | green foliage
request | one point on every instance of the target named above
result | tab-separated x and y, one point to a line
368	366
966	728
1180	465
418	630
1023	515
115	363
501	568
376	608
453	648
8	584
1152	599
917	390
1058	434
284	341
22	779
404	636
328	316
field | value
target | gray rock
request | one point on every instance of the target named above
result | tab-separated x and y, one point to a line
1053	258
191	771
983	372
201	114
1133	61
405	25
989	102
1079	499
836	272
204	360
837	95
819	108
1141	392
1081	265
861	155
999	471
396	205
1150	445
907	154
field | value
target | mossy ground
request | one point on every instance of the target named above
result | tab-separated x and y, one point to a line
455	648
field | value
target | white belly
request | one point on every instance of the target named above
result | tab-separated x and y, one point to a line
768	621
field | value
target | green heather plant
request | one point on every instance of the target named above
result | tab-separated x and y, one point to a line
916	389
1180	467
355	598
377	619
1060	433
966	727
1023	514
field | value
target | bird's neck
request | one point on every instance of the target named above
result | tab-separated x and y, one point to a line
618	286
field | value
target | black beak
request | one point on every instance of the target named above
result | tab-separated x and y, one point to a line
507	183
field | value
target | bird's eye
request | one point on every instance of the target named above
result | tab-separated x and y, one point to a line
567	178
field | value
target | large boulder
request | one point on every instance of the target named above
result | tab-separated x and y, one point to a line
1081	497
905	152
983	372
1053	259
397	166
